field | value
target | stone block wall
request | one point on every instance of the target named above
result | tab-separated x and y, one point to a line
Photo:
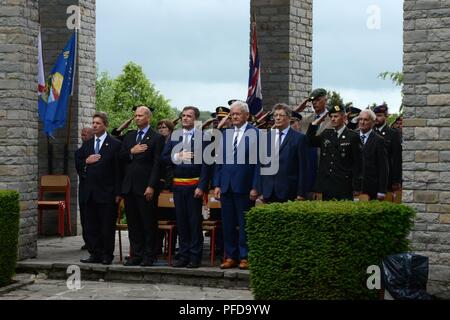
18	113
426	157
284	29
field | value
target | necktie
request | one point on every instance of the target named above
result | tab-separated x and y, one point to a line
317	116
235	142
139	137
186	145
336	134
279	139
97	146
363	139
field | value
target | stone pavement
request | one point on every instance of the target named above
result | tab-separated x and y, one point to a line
46	289
55	255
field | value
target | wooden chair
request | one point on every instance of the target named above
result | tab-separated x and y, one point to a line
165	200
212	226
55	184
120	227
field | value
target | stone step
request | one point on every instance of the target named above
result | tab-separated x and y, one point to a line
160	273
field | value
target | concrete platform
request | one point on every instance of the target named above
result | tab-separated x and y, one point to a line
55	255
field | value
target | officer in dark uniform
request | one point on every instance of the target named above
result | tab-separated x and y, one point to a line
296	119
352	117
340	155
392	140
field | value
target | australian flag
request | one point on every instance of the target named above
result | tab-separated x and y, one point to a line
54	97
254	96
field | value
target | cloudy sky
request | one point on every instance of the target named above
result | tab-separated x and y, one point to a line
196	51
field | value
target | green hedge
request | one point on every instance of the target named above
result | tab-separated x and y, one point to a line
321	250
9	233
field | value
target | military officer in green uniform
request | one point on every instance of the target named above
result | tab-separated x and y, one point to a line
340	156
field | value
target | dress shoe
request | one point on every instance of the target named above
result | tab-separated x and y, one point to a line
180	264
228	264
107	262
91	259
147	262
193	265
243	265
133	262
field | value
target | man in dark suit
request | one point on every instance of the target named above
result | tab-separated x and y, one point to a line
393	142
236	181
340	156
101	190
190	182
374	175
86	135
289	181
141	152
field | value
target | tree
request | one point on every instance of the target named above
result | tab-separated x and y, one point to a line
334	98
396	78
131	88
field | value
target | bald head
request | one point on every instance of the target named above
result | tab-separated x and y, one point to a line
144	109
86	134
142	117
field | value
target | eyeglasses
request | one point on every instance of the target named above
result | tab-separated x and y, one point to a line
162	127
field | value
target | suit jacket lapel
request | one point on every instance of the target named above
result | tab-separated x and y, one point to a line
369	140
105	145
286	139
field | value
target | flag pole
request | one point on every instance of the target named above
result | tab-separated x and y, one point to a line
69	110
49	144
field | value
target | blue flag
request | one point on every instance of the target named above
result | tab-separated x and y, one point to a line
254	96
54	99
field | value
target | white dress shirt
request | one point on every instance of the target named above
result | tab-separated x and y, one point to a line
102	139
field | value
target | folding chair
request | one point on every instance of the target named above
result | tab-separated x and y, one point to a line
212	226
165	200
120	227
55	184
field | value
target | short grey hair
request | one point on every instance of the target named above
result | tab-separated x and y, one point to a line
242	105
371	114
282	106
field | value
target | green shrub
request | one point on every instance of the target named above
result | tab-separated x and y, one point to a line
9	233
321	250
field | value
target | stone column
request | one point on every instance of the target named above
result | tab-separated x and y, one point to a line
284	30
426	157
18	113
54	37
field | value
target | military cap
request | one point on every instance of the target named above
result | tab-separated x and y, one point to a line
232	101
381	109
318	93
213	115
353	112
334	109
222	112
296	116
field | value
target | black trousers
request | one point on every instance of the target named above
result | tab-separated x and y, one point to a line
142	225
189	224
100	227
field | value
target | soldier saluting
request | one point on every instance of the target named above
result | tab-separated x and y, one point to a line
340	156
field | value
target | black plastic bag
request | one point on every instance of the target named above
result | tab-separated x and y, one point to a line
405	276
